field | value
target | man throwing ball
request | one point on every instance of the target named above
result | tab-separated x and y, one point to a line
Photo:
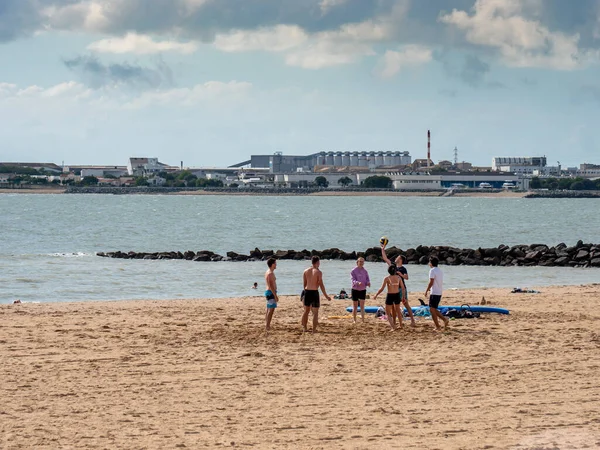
403	274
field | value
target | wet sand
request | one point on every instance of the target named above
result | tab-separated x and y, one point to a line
203	374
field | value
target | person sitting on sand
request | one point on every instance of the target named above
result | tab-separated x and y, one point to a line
312	280
403	274
271	292
392	300
436	280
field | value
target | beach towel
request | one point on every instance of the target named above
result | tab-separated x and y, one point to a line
518	290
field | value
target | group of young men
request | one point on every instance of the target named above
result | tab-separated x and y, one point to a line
395	283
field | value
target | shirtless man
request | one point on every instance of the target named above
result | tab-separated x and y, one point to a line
271	290
403	274
312	281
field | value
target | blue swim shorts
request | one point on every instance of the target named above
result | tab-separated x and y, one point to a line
271	303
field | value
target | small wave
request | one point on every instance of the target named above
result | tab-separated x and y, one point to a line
27	280
71	255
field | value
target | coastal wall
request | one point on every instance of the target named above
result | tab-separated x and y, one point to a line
579	255
563	194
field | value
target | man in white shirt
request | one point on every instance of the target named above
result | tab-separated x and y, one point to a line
436	281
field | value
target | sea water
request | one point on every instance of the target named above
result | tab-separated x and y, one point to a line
48	243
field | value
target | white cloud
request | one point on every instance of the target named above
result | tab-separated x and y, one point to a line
326	53
141	45
274	39
89	15
346	45
7	89
327	5
191	6
34	97
69	89
191	96
499	24
393	62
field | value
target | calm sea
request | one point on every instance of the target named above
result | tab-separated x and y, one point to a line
48	242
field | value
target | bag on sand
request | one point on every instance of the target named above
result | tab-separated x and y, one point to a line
463	313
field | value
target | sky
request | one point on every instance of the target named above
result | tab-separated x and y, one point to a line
211	82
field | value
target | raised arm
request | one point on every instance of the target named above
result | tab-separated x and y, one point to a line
384	256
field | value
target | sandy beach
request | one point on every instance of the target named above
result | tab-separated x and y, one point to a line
203	374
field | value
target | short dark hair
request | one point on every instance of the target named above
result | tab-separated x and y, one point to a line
271	261
392	270
434	260
403	259
315	259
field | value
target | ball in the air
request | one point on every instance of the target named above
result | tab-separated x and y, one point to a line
383	241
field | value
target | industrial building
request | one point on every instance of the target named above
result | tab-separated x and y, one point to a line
528	165
353	161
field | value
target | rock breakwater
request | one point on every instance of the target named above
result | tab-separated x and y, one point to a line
578	255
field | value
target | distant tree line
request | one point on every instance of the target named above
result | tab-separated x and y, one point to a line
185	178
373	182
572	184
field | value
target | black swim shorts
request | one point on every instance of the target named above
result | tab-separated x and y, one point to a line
358	295
434	301
311	298
393	299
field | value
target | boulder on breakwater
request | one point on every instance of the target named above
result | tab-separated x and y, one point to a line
579	255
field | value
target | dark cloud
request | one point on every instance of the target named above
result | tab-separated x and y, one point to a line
471	70
17	18
448	92
145	16
20	18
474	71
97	75
576	16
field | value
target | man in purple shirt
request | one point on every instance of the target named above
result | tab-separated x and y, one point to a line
360	283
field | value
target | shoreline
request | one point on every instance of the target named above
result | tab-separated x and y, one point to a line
203	373
337	193
468	193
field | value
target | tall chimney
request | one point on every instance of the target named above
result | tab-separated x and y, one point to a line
428	147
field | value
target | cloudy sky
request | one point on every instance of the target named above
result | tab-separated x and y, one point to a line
210	82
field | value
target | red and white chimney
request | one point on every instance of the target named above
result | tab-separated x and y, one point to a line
428	147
